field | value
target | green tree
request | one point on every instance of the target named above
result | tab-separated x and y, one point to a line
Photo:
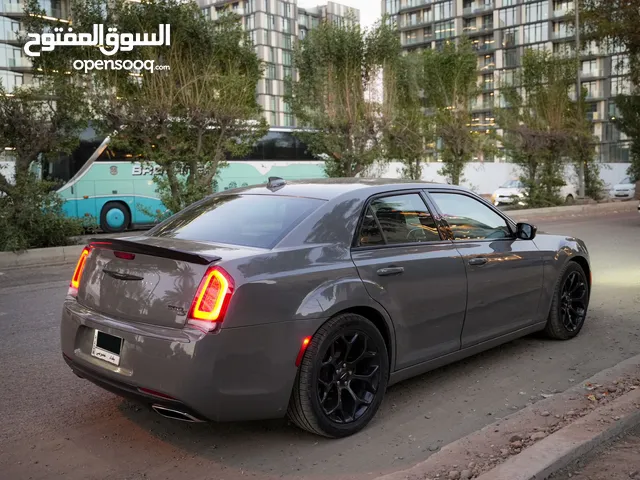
411	133
36	123
615	23
536	123
450	85
337	97
188	117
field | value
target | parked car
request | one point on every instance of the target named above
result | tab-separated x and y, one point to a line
625	190
309	299
513	192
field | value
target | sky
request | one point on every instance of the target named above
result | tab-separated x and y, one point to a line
370	10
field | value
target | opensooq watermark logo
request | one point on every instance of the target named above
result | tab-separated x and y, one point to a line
109	44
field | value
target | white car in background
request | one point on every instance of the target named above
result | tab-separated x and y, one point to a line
514	192
625	190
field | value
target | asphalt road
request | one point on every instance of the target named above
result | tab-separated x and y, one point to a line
54	425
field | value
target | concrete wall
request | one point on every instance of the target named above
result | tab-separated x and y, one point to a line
485	178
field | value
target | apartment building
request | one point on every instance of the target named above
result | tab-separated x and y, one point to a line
274	26
500	31
15	66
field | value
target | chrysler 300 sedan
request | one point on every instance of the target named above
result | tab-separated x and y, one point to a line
309	299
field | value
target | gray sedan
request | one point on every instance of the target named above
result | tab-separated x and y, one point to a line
308	299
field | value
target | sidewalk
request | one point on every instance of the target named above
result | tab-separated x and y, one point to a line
619	460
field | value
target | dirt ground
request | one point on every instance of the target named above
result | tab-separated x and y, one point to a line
619	460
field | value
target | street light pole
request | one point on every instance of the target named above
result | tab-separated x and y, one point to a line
581	192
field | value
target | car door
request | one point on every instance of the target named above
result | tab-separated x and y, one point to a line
418	277
504	273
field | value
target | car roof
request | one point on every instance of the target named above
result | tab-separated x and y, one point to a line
330	188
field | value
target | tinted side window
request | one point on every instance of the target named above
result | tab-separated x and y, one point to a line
405	219
469	219
370	233
251	220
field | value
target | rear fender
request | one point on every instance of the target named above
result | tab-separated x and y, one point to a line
346	294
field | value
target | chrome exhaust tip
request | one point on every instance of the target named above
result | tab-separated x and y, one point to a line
175	414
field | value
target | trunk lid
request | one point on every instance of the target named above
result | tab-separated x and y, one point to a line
147	280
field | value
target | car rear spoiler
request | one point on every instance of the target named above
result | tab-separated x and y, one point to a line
145	249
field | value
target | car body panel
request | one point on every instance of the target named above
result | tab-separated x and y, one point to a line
503	294
236	374
426	302
246	369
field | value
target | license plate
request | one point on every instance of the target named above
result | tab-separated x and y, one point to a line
106	347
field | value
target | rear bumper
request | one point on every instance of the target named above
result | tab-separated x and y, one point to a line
233	375
127	391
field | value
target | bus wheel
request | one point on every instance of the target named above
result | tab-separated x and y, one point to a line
115	217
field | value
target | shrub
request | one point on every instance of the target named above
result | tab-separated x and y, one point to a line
32	217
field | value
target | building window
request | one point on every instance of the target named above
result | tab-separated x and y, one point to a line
272	54
271	71
537	32
511	58
508	17
286	58
536	12
443	10
620	86
510	37
288	72
288	42
620	65
445	30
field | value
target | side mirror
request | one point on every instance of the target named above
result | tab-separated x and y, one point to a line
525	231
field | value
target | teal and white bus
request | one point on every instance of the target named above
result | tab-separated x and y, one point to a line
119	192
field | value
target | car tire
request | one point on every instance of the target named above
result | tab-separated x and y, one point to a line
332	371
567	315
120	212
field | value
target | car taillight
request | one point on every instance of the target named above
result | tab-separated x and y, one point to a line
212	299
77	273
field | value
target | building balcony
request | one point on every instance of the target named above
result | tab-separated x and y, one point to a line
592	73
595	95
417	41
413	4
19	64
561	35
472	30
485	47
595	117
11	9
476	9
408	25
561	13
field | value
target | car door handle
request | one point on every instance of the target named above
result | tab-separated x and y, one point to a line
385	272
478	261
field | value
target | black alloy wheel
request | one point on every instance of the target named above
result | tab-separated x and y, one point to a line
348	377
342	378
573	301
570	303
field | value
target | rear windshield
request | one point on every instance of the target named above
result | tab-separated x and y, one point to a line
252	220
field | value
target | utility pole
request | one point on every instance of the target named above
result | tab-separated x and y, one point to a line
581	192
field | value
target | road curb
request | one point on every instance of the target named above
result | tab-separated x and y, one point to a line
573	211
558	450
40	257
487	453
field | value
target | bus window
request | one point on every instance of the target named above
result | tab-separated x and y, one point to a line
68	165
